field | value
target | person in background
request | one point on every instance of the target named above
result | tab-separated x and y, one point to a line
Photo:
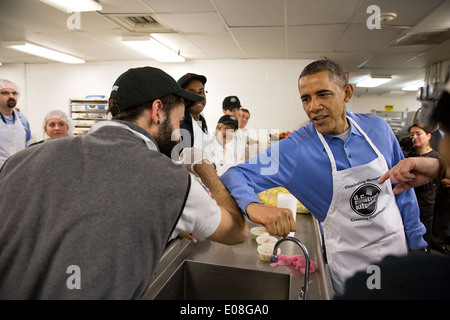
112	201
420	134
231	106
56	125
247	136
223	152
194	123
15	133
331	166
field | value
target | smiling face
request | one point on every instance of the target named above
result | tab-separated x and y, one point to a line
197	87
324	101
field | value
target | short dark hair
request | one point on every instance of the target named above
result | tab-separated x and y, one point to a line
169	102
335	70
420	126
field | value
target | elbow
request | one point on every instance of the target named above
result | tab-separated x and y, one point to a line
244	234
239	237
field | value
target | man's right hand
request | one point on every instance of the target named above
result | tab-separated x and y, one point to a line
277	221
411	172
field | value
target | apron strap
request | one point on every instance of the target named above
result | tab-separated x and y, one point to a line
330	154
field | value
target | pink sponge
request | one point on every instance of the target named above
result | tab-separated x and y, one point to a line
297	261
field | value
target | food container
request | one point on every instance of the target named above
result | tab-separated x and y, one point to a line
267	239
269	197
258	231
265	251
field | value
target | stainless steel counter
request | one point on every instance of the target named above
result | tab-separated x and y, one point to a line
243	260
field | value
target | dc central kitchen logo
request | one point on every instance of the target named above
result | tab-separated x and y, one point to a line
364	200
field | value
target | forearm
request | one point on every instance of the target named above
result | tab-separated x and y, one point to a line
223	198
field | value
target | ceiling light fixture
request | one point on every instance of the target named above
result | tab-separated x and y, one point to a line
371	82
69	6
42	52
414	86
153	49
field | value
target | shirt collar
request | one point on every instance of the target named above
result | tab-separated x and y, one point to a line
353	131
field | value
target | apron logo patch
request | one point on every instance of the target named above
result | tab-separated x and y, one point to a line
364	200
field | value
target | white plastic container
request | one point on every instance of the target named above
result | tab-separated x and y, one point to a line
267	239
287	200
265	251
258	231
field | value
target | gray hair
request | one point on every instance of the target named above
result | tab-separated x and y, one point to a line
335	70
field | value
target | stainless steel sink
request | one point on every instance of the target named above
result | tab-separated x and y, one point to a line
209	270
203	281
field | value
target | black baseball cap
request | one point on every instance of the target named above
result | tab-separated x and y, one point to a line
140	85
231	102
227	119
184	80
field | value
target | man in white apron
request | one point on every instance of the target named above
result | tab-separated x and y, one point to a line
332	166
13	133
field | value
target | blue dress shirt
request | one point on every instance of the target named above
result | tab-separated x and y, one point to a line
300	164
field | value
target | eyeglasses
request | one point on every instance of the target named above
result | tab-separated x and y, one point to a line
200	93
7	93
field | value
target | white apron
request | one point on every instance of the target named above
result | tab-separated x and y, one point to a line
12	139
363	223
202	140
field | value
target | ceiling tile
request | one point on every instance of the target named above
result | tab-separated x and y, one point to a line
358	38
348	60
305	12
203	22
324	39
257	13
217	45
409	12
271	45
164	6
129	6
390	60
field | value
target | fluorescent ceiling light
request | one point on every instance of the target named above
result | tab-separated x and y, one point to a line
153	49
371	82
414	86
42	52
69	6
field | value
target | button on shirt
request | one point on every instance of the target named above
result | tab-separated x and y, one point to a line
300	164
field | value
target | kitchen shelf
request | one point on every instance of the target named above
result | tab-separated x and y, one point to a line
394	119
86	112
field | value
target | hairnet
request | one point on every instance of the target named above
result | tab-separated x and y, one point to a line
58	114
4	84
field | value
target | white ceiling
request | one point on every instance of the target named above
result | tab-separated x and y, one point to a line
245	29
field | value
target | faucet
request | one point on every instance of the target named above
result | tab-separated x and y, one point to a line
274	258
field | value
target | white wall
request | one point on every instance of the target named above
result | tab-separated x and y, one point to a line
367	103
268	88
